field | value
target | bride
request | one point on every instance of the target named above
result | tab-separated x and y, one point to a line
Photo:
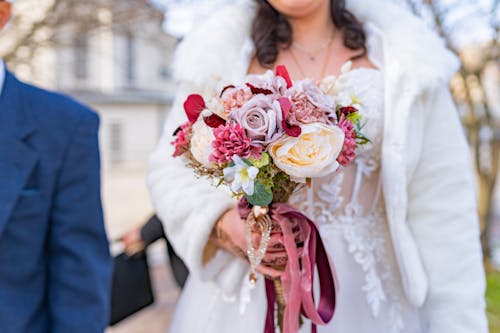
400	223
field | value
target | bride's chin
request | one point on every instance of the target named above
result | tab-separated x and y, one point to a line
296	8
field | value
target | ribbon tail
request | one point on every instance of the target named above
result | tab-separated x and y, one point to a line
292	277
271	299
327	279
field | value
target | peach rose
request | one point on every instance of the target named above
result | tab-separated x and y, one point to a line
312	154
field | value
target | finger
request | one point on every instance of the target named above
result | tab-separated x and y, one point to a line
275	258
269	273
275	226
276	242
276	261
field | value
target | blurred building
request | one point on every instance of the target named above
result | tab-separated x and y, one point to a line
123	72
112	55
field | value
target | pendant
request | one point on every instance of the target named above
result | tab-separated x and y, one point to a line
312	58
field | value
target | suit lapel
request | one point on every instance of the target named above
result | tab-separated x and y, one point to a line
17	159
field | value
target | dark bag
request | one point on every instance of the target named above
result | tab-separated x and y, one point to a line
131	289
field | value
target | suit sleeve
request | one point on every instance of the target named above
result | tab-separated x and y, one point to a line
80	264
189	207
443	217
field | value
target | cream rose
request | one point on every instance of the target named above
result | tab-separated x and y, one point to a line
201	141
312	154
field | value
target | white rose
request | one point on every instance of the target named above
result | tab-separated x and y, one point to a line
312	154
201	142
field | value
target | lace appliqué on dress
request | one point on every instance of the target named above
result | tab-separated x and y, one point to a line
368	242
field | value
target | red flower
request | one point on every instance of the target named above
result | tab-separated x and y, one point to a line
348	150
193	106
283	72
181	142
230	140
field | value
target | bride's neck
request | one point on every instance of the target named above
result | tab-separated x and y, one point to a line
313	29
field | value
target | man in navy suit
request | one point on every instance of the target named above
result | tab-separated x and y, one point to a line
55	267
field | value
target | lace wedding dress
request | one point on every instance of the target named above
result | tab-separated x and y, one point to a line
349	208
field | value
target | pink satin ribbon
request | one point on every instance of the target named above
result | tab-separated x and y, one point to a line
298	277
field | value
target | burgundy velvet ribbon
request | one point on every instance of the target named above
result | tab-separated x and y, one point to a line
298	277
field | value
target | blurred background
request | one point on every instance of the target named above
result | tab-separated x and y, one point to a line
115	55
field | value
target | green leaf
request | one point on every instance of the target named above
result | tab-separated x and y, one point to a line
355	117
361	139
262	196
262	162
221	181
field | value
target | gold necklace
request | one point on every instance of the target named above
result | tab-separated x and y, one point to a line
325	64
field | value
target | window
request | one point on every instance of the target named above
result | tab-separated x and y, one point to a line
81	56
130	58
116	143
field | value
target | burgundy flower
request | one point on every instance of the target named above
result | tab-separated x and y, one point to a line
291	130
256	90
347	110
348	150
181	142
214	121
230	140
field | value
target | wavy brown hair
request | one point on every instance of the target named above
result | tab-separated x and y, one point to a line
271	31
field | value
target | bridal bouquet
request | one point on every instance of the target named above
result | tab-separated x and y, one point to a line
264	139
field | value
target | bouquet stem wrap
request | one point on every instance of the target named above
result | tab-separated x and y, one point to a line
298	278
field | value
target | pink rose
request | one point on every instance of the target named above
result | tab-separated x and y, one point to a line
261	117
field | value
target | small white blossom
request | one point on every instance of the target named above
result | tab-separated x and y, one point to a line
241	175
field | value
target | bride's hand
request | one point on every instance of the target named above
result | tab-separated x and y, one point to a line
230	234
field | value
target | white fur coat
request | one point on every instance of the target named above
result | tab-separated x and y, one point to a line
428	181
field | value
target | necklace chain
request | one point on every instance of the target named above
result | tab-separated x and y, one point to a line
311	54
327	58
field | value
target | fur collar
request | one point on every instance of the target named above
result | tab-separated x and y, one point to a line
212	50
